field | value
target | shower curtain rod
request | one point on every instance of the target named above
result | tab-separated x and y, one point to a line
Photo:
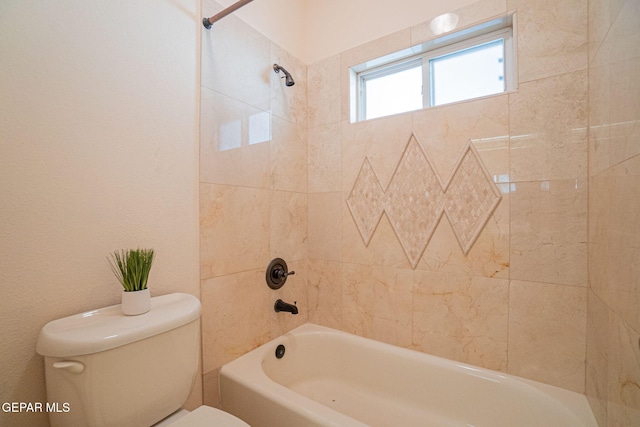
208	22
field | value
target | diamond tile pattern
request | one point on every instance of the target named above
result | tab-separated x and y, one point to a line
367	201
415	200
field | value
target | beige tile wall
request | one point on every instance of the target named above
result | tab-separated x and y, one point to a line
253	192
517	301
613	340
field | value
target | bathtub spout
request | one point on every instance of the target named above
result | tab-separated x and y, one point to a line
283	306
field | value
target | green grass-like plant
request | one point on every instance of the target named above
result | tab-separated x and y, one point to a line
131	268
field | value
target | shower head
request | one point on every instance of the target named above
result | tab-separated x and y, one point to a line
287	76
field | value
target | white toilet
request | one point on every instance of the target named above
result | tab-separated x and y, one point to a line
106	369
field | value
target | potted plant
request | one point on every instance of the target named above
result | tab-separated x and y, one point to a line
131	268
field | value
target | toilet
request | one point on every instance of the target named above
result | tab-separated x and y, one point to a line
105	369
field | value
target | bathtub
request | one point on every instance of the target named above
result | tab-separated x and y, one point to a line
331	378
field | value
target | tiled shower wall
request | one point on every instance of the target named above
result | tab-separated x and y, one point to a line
253	191
517	301
278	165
613	352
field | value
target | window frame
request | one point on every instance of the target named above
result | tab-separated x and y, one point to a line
452	42
505	34
383	71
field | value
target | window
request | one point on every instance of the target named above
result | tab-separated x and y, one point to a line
469	73
464	65
393	90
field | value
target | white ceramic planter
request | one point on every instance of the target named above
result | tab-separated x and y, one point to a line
137	302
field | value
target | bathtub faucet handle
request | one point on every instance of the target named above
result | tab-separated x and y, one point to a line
277	273
281	274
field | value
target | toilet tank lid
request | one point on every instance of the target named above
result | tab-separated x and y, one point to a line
106	328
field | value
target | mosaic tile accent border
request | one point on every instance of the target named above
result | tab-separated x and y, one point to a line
416	199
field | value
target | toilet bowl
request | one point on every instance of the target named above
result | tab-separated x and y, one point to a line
117	370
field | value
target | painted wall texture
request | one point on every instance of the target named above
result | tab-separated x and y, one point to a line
98	151
316	29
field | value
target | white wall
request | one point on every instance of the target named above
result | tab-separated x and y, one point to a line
282	21
316	29
98	151
337	25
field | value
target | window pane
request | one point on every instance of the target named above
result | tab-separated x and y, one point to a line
393	93
469	73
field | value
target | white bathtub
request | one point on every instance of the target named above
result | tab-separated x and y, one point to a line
331	378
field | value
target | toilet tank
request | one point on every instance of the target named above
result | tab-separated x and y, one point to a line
103	368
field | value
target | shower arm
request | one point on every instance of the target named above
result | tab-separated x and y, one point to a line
208	22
